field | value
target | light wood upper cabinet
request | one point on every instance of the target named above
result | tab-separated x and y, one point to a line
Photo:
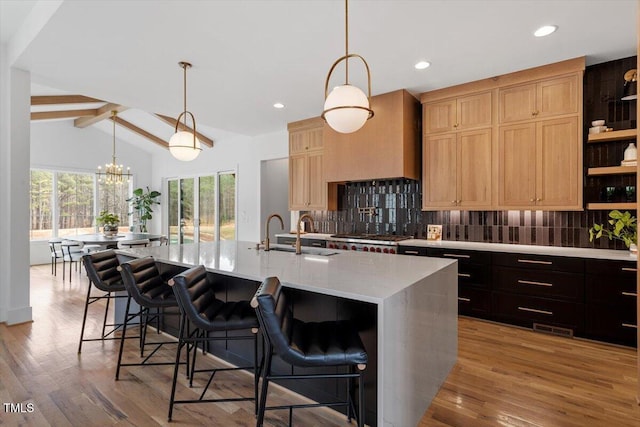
468	112
543	99
387	146
308	190
539	165
457	172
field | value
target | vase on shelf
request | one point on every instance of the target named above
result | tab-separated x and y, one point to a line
633	250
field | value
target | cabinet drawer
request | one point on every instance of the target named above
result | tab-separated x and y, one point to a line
526	310
316	243
287	240
474	275
412	250
474	302
539	262
463	257
604	267
546	284
611	289
615	323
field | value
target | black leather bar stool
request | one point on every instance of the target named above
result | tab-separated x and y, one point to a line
150	290
204	312
307	344
102	270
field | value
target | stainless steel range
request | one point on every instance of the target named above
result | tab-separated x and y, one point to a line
380	243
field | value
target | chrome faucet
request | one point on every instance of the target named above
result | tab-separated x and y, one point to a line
266	238
302	218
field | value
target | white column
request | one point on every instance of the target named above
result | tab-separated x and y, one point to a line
14	194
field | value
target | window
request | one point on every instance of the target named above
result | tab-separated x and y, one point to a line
202	209
66	203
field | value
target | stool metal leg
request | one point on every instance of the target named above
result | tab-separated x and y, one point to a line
122	337
84	318
361	399
181	343
265	386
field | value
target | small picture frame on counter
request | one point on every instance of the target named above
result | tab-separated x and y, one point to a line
434	232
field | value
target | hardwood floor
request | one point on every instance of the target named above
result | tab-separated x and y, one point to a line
505	376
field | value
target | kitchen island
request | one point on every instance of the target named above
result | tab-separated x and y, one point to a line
411	303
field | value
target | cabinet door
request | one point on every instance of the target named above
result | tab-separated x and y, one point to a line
557	96
517	166
298	142
439	171
314	139
317	188
558	158
474	169
439	117
473	111
298	182
518	103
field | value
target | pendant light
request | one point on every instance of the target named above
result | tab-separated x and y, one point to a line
184	145
113	173
346	108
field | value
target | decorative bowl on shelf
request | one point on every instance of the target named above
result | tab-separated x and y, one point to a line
596	123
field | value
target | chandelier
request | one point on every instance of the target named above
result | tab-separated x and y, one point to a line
347	108
184	145
113	173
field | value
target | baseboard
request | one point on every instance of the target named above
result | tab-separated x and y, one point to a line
19	315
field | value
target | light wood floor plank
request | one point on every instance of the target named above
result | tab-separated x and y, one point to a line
505	376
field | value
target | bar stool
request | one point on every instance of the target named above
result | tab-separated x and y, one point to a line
56	254
102	270
133	243
307	344
205	313
71	252
146	286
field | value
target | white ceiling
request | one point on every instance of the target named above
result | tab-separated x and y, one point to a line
248	54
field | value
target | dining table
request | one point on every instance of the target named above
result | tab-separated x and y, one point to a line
111	241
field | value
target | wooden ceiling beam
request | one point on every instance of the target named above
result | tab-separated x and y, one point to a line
64	114
172	122
103	112
142	132
61	99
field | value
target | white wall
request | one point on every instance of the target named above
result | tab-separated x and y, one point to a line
241	153
274	178
61	146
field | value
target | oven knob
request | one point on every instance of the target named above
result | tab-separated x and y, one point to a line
345	247
378	250
366	249
392	251
353	247
385	250
329	245
372	249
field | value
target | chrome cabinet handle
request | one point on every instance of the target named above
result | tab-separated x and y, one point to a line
629	325
463	275
457	255
533	310
629	294
316	244
411	252
533	261
464	299
529	282
629	269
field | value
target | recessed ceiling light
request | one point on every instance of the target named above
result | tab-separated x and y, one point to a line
278	105
422	65
545	30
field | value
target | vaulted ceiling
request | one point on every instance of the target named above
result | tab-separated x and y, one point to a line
249	54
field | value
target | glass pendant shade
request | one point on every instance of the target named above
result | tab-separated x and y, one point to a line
182	147
347	108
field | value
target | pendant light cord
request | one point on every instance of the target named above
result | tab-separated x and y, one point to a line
113	118
184	67
346	40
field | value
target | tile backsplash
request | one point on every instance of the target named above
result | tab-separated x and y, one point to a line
397	210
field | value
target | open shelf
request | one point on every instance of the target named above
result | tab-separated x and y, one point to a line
612	170
615	135
610	206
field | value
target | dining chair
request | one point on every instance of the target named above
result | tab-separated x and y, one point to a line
56	254
71	252
133	243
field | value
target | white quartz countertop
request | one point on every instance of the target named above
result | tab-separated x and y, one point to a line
621	255
360	276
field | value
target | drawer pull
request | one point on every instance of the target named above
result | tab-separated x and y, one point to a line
629	294
533	310
534	261
316	244
529	282
457	255
464	275
629	325
629	269
411	252
464	299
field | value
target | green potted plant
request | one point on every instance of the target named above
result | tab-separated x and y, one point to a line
109	222
623	226
142	203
